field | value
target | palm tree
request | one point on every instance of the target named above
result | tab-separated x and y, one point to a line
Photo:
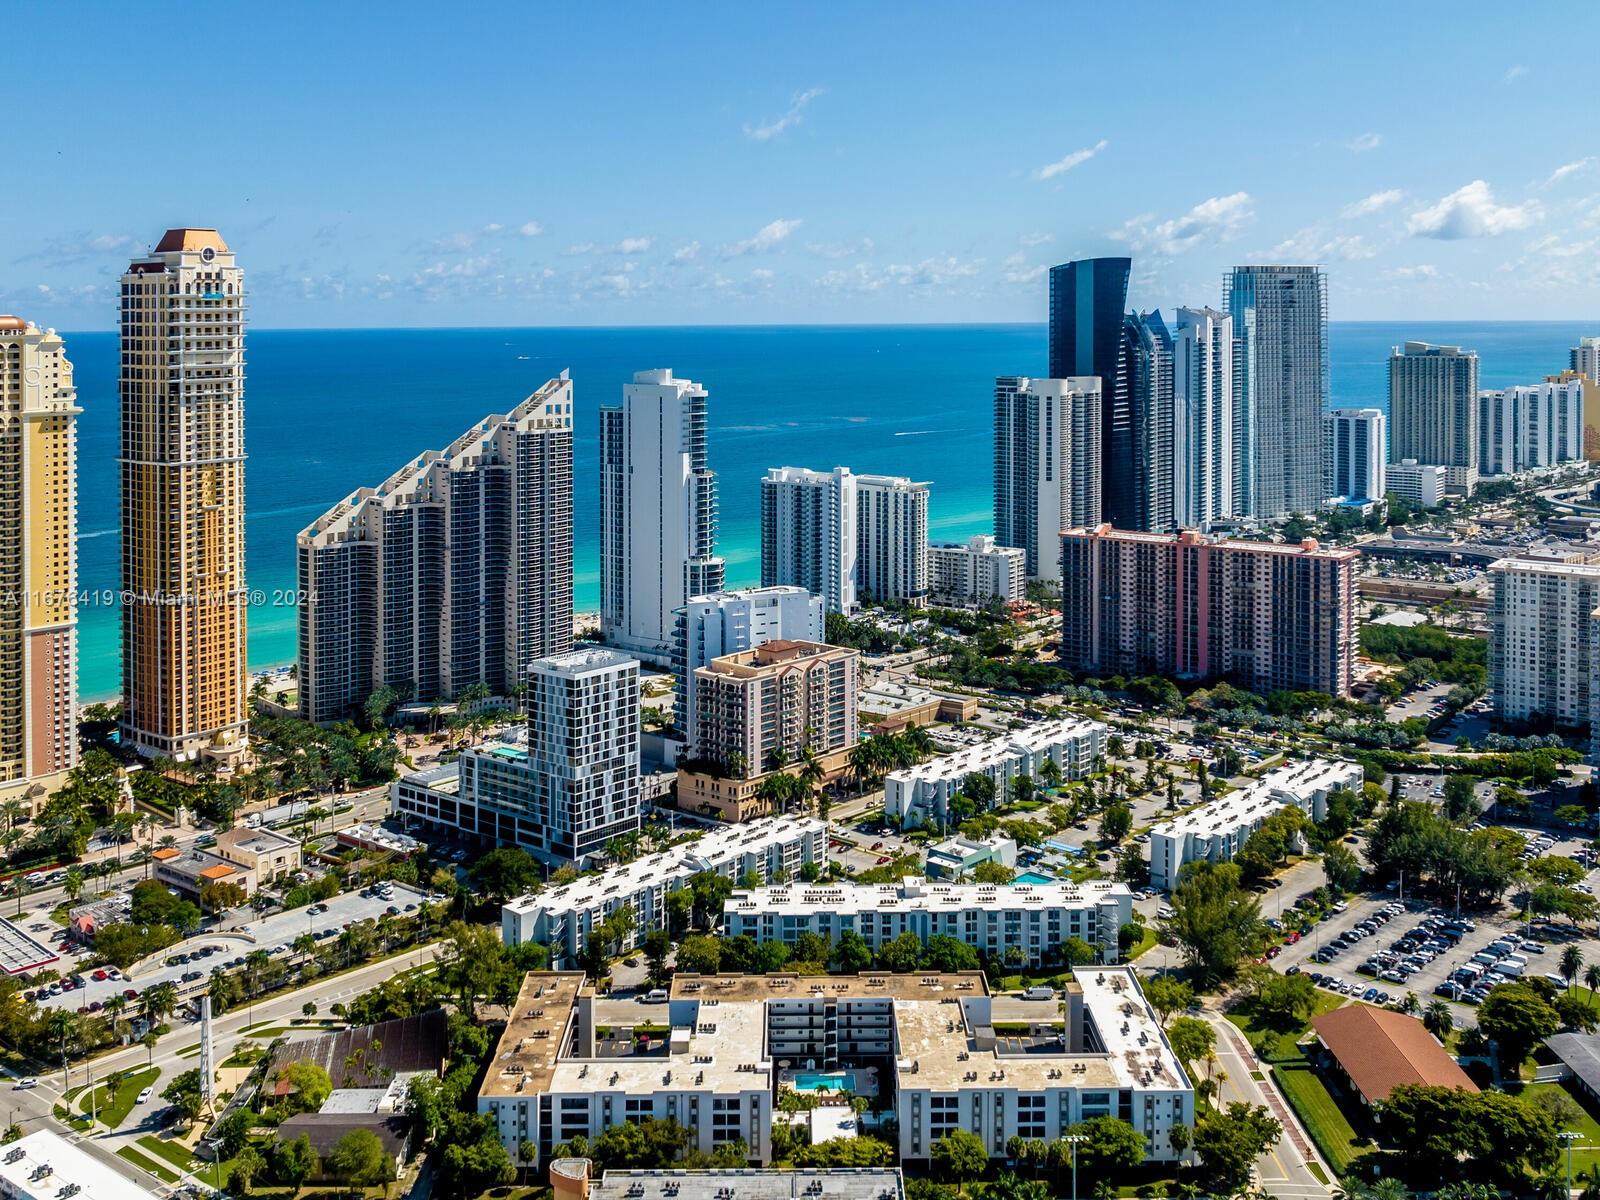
73	884
1571	964
811	772
114	1007
1591	978
1438	1019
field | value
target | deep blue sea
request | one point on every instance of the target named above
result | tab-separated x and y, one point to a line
328	411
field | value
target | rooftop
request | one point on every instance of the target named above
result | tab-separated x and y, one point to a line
404	1046
734	989
1580	1052
581	662
255	841
191	238
1380	1049
525	1060
1190	537
711	850
20	951
920	895
1278	787
777	653
861	1183
45	1166
975	758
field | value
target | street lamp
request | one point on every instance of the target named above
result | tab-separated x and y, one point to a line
1074	1138
1568	1137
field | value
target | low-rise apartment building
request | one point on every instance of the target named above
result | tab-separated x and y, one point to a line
924	1043
957	857
1419	483
977	571
997	920
1216	831
189	871
564	917
921	795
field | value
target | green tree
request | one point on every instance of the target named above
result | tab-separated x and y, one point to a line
309	1085
505	872
183	1093
1516	1018
657	946
248	1166
1110	1145
851	955
699	955
1229	1142
901	954
1215	921
1168	994
959	1157
359	1160
1115	824
293	1162
1341	869
993	872
1192	1038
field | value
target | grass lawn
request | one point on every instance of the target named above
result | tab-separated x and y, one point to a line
1283	1048
1587	1152
1320	1114
1145	942
113	1107
188	1051
174	1152
163	1173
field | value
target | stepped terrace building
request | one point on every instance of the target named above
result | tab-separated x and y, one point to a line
994	919
1216	831
926	1044
564	917
921	795
1270	617
454	571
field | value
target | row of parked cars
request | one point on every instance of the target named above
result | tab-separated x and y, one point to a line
1356	933
1499	962
1415	949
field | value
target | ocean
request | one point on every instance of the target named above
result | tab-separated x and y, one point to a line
327	411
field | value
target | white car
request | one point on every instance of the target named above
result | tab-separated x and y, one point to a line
144	1096
24	1084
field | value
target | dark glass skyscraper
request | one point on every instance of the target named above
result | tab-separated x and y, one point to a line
1092	333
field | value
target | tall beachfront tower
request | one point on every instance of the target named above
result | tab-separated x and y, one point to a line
1046	464
1088	303
1280	318
453	572
658	512
1202	412
1433	409
38	563
182	455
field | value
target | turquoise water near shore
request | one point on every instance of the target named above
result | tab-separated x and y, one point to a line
328	411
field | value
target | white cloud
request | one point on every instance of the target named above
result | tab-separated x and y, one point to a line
634	245
761	274
931	274
1213	220
768	236
1565	169
1361	143
466	239
1374	203
578	248
855	249
1034	239
1017	273
1076	159
1420	271
790	118
1515	73
686	252
530	229
1471	212
1311	245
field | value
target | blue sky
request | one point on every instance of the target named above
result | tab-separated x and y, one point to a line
701	163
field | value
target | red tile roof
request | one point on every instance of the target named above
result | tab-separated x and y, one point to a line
1380	1049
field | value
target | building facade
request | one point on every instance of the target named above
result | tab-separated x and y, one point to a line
1433	408
658	512
182	455
1203	401
1215	832
455	571
563	917
1001	921
1089	337
1420	483
1148	460
1541	640
1531	426
923	1044
809	533
761	709
977	572
569	790
1280	316
1270	617
1046	464
709	627
921	795
1585	363
1353	448
891	540
38	563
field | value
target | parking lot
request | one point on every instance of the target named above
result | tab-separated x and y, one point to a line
1417	951
227	947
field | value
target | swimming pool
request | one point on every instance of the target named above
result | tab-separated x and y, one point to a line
819	1081
1034	877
